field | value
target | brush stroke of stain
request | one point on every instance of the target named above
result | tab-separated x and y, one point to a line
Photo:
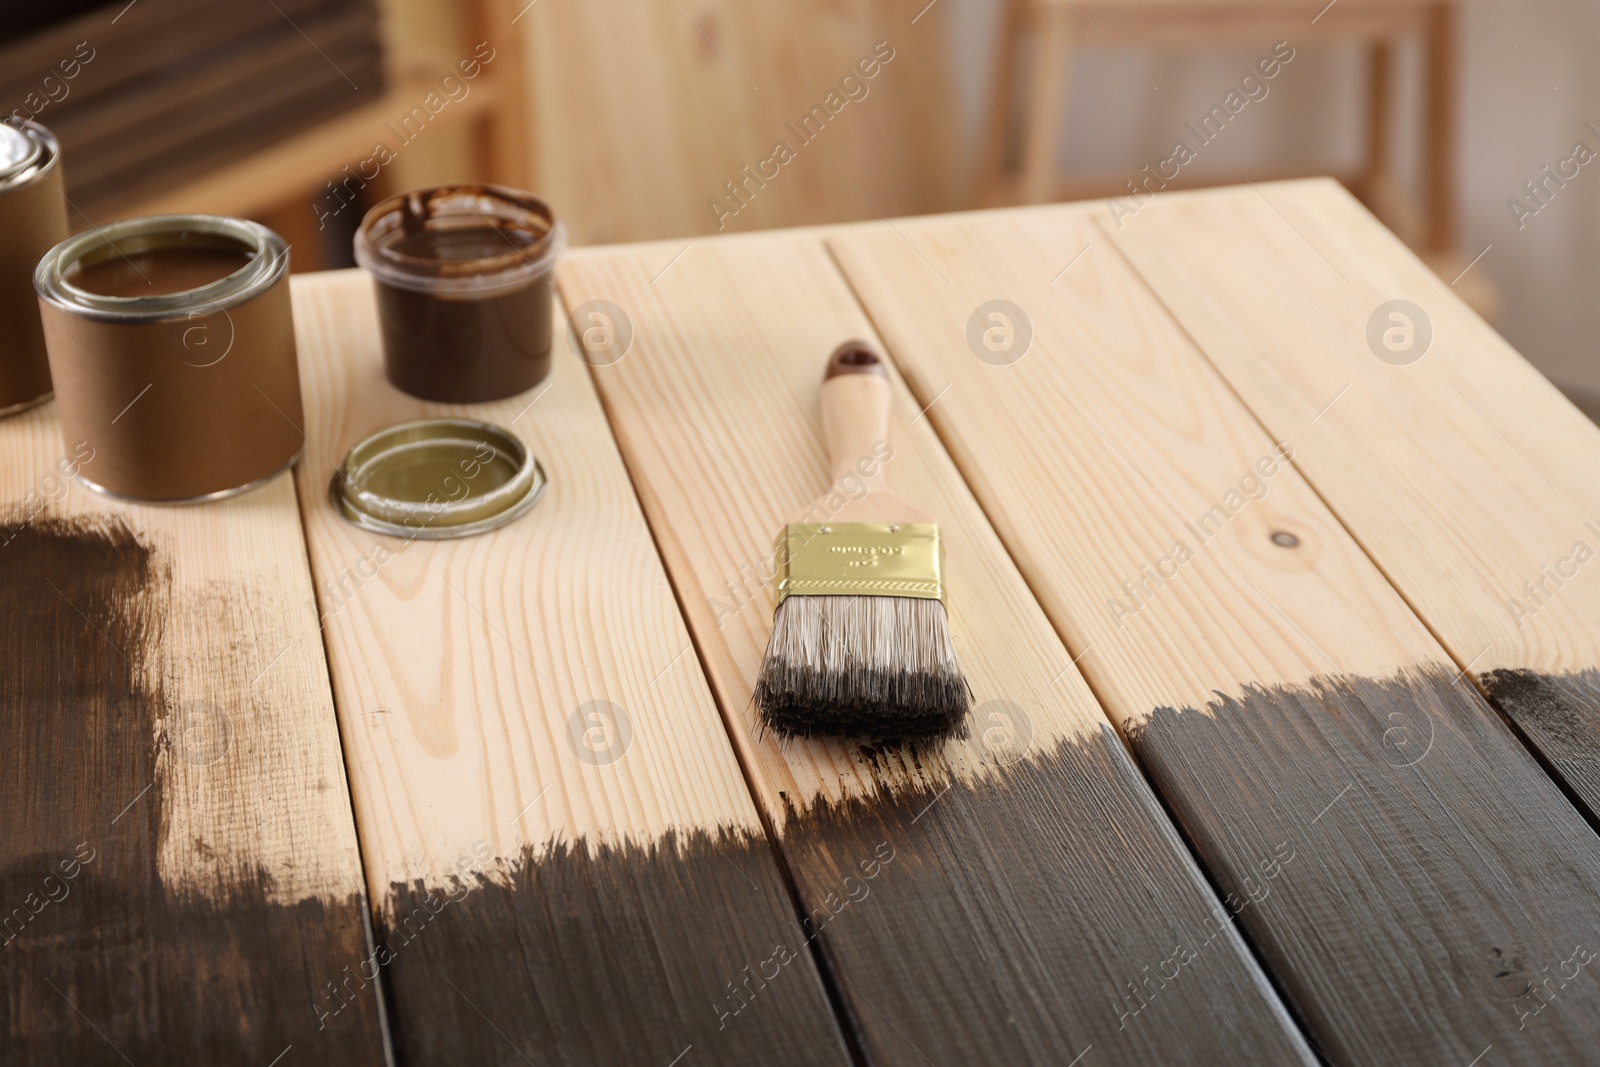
999	921
109	964
1560	715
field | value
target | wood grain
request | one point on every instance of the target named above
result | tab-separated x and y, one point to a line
176	802
1467	476
999	899
551	816
1274	686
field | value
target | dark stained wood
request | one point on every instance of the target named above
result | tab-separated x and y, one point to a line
1559	715
1433	862
603	955
102	960
1047	914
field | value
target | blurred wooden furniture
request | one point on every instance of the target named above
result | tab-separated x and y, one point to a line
146	97
305	114
282	184
644	112
1036	105
295	168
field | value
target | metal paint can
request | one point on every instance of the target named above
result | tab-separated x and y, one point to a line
171	343
33	219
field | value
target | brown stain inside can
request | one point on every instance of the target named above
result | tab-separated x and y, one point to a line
465	349
157	271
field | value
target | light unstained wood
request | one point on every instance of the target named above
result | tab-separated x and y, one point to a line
717	411
1037	822
256	855
1464	474
1135	442
584	853
459	664
1283	678
642	111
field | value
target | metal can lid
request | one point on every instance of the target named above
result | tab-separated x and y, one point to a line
437	478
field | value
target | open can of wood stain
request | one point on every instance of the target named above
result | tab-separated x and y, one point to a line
464	289
33	219
171	343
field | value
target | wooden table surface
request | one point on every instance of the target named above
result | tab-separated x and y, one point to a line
1276	608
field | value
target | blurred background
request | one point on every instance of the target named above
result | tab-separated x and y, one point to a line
1467	126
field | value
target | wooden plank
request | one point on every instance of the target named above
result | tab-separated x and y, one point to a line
179	872
1036	888
552	818
1271	682
1469	478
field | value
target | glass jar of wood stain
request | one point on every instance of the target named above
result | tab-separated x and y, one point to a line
171	343
464	289
33	218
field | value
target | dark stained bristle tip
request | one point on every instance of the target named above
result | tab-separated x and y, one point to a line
853	666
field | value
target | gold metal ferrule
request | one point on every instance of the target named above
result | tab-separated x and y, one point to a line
860	559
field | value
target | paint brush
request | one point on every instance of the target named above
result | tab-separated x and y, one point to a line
860	639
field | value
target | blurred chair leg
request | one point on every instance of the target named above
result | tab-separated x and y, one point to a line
1045	100
993	183
502	142
1380	127
1379	188
1439	166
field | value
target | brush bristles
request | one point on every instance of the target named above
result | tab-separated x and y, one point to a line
882	666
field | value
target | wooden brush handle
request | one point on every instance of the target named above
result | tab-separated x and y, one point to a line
855	413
